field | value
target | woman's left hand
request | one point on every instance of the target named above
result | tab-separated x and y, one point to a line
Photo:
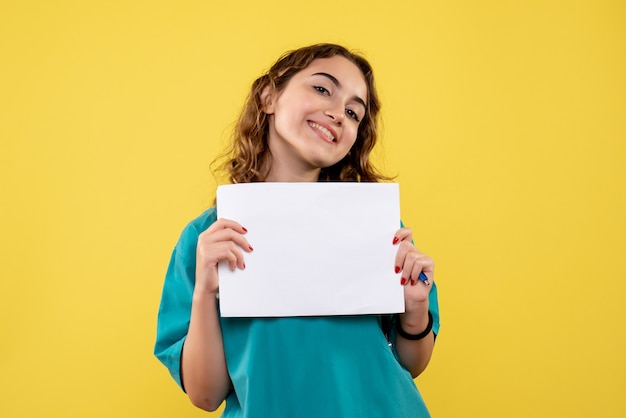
409	263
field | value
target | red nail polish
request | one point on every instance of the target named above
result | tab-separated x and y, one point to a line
413	282
395	240
403	281
244	229
397	269
250	248
244	265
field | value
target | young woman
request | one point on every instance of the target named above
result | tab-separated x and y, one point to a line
312	117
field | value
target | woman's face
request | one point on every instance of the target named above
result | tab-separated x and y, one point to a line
314	121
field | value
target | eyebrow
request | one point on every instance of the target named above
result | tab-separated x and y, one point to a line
338	84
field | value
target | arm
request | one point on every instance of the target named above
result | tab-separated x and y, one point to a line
204	373
414	355
203	365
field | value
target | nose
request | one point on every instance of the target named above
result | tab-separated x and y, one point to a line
336	115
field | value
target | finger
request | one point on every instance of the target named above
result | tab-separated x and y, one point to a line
410	261
223	223
403	234
422	269
415	272
228	252
400	262
239	260
224	235
216	252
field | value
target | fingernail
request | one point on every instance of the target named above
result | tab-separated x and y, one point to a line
403	281
413	282
250	248
244	229
397	269
395	240
244	265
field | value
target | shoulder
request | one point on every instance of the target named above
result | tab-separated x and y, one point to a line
202	222
189	237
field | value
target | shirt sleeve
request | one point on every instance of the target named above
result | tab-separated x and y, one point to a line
433	307
175	308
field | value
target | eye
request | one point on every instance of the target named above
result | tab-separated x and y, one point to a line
322	90
351	113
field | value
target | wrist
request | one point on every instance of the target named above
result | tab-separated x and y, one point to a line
411	332
415	317
200	295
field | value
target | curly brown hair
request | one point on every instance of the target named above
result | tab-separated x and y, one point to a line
249	158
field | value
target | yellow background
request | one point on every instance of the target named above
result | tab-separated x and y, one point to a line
504	120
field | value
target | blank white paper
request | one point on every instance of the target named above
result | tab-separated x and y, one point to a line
319	249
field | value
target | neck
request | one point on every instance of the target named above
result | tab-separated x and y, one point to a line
292	172
282	174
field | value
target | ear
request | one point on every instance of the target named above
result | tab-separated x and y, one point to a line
268	98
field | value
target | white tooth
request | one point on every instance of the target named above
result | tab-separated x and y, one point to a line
323	130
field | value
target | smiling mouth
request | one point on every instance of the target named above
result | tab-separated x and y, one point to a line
323	130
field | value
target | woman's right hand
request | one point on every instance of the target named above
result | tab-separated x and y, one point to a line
224	240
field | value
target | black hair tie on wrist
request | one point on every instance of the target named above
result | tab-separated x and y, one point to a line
415	337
